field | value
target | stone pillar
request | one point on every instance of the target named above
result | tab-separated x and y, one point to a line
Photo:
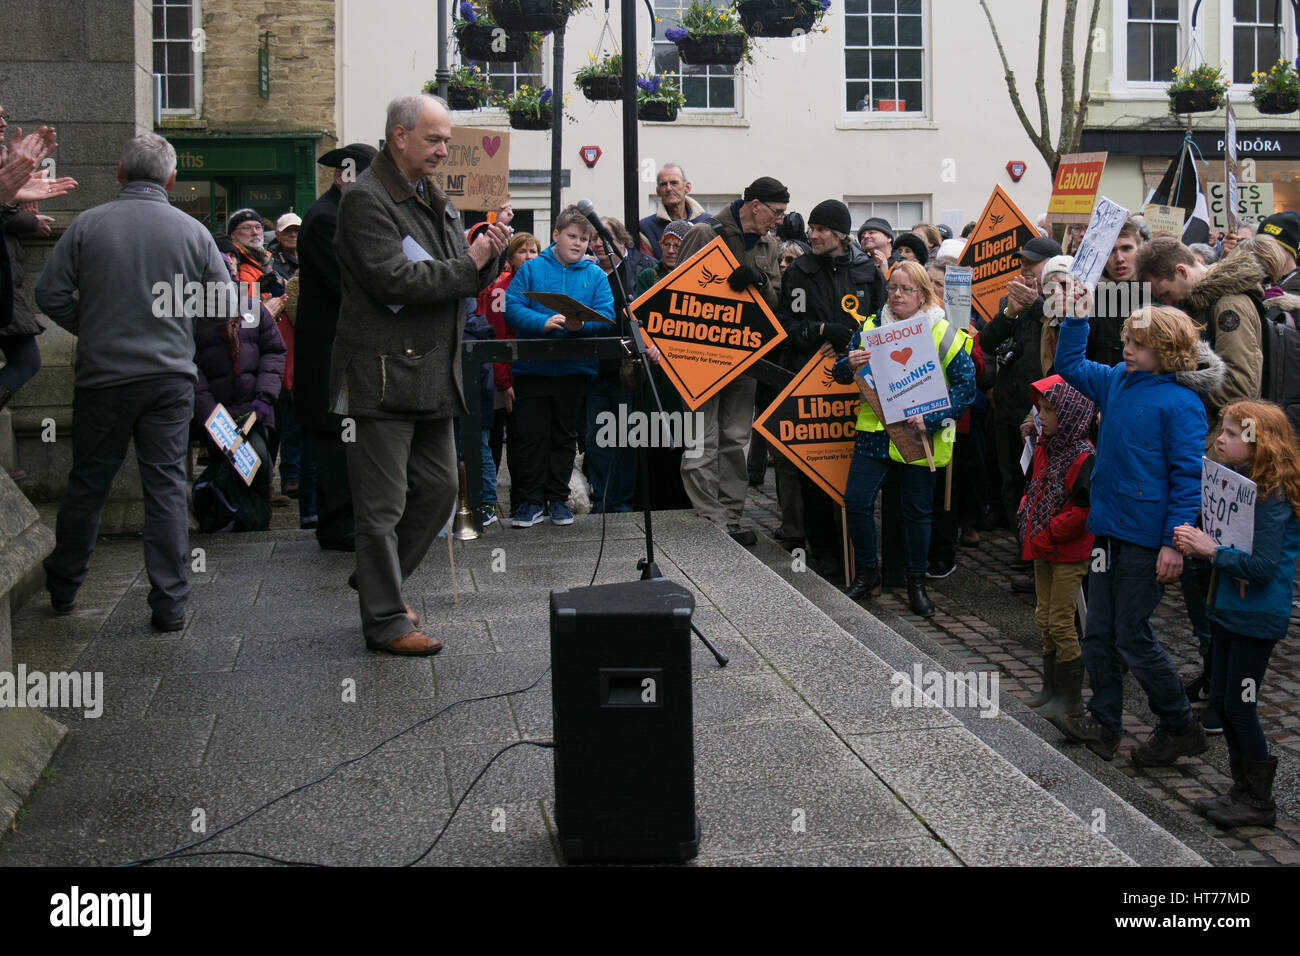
28	738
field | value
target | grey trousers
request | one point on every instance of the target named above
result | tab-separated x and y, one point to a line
156	413
403	477
717	481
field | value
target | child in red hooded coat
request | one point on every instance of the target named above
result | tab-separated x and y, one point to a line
1053	520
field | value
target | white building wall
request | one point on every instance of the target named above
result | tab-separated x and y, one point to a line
790	122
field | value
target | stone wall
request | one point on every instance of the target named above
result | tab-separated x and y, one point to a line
302	69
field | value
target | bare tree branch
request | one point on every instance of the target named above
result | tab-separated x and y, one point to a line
1040	84
1085	96
1067	76
1042	145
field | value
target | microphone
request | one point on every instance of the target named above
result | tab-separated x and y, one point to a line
588	209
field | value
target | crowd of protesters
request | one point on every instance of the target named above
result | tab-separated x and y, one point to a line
1117	392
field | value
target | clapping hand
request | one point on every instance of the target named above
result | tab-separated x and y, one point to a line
489	244
1021	294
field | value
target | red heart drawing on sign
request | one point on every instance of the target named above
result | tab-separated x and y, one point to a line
490	146
902	356
1225	482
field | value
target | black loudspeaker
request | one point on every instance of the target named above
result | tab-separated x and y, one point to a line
624	750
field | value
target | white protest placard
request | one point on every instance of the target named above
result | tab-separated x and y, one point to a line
1254	202
956	296
905	369
1164	220
230	440
1227	506
1108	219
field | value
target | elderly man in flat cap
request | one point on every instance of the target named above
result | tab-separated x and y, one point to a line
717	480
405	272
318	314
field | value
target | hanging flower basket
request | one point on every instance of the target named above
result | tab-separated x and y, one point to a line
1195	101
531	14
463	97
725	49
1275	104
777	18
602	87
656	112
475	41
525	119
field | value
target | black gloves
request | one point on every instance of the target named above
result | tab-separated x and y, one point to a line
745	276
837	335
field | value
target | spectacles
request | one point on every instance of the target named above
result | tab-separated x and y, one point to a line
779	213
902	289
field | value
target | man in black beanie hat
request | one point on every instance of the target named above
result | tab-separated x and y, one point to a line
717	480
811	292
318	315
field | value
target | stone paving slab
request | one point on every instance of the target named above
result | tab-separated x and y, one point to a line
254	692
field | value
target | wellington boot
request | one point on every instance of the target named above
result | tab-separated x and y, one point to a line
1069	685
1224	800
1049	681
1254	807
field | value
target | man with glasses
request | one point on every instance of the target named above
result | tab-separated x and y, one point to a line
717	480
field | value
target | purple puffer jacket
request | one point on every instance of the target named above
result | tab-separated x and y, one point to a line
261	367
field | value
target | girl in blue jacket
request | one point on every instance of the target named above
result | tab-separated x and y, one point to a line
1251	602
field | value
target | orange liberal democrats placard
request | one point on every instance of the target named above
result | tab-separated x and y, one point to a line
992	251
1074	191
708	333
813	422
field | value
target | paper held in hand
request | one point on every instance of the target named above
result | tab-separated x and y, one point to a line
956	296
1108	219
1227	506
230	439
414	252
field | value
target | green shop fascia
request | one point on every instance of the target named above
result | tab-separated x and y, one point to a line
215	175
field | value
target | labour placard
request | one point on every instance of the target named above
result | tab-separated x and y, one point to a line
708	333
992	251
905	369
1227	506
1078	178
1094	249
813	422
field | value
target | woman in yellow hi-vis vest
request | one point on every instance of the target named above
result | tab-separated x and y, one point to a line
909	296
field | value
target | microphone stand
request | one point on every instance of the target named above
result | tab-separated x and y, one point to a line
636	347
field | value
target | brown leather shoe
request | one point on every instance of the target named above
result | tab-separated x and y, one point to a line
410	612
412	644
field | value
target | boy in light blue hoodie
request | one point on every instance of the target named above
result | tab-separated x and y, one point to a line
548	395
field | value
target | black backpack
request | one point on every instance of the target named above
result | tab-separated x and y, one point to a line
1280	381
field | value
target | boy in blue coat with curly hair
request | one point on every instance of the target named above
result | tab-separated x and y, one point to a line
1146	482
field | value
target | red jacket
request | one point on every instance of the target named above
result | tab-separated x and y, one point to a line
492	305
1066	537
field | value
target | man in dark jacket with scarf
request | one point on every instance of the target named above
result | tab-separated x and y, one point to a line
812	290
405	272
317	317
718	478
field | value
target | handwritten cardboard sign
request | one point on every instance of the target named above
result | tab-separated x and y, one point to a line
476	172
1095	247
1164	220
1227	506
905	369
1254	202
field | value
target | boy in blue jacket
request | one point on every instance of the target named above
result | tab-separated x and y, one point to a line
548	395
1146	482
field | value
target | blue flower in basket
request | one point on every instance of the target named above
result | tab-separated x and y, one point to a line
467	13
675	34
545	97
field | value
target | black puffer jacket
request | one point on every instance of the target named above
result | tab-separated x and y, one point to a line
1011	392
811	291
